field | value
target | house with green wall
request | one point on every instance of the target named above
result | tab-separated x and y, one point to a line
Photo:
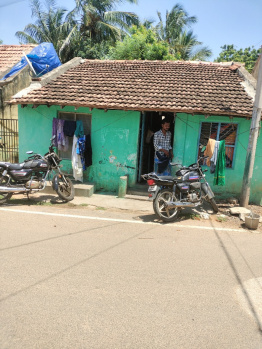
121	104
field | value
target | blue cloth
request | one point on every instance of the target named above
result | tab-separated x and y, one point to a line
166	172
80	150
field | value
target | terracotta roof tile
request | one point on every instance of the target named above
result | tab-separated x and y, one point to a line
12	54
148	85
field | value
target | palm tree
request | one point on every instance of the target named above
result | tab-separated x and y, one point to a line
176	20
55	26
189	48
99	20
183	44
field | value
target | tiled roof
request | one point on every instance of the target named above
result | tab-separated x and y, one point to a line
192	87
12	54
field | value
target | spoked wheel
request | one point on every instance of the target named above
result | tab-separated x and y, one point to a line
65	188
3	195
160	205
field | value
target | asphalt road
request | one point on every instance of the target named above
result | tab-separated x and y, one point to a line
95	279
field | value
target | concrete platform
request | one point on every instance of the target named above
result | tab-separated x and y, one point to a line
81	189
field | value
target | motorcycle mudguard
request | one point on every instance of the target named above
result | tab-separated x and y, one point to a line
55	183
207	190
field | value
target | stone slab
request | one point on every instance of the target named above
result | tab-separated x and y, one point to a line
239	210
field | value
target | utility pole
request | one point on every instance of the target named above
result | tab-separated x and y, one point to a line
252	143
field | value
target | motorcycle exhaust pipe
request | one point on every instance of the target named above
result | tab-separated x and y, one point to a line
12	189
181	204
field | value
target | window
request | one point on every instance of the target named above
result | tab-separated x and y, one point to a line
85	118
219	131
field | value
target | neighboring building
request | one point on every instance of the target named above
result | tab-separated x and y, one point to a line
9	56
121	103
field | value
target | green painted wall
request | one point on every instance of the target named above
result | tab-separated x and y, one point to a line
187	128
114	136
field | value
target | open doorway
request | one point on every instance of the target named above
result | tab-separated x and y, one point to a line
150	123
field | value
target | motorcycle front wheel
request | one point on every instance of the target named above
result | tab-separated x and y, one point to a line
160	205
213	204
3	195
64	188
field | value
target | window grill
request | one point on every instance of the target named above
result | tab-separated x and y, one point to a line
9	140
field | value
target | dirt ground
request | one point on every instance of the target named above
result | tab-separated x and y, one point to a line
234	221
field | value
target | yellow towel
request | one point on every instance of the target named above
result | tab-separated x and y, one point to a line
209	150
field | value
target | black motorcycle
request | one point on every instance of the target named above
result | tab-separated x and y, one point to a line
187	189
32	175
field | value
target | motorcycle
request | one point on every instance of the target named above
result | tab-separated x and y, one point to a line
31	176
187	189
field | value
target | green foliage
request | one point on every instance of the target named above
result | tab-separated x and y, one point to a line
248	56
142	44
54	25
90	50
1	41
100	22
183	43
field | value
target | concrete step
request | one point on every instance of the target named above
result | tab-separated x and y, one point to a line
139	190
81	189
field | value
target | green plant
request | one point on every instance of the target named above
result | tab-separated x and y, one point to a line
222	219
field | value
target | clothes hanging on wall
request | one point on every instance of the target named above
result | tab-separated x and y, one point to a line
61	141
80	150
69	128
79	132
213	160
76	162
209	150
219	177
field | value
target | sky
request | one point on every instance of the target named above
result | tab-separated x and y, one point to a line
220	22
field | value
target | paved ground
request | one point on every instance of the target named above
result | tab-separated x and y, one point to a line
90	277
140	205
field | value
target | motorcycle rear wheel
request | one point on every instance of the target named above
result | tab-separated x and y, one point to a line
160	206
3	195
65	188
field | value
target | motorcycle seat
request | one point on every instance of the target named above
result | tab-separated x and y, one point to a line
16	166
166	178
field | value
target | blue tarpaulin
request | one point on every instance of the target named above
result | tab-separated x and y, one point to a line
43	59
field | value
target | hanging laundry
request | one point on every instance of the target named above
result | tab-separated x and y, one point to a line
76	162
80	150
209	150
61	141
79	132
219	177
69	128
88	151
213	160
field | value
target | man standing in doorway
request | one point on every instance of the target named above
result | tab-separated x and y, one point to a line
163	148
